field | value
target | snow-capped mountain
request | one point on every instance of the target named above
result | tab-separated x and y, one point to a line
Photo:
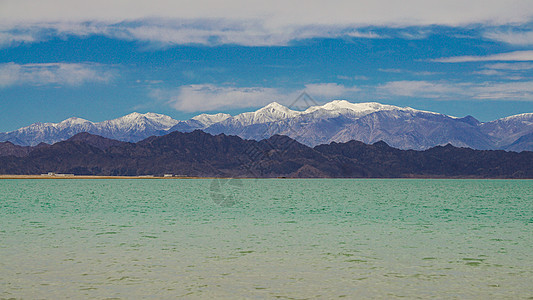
208	120
130	128
336	121
199	122
341	121
509	130
135	126
370	122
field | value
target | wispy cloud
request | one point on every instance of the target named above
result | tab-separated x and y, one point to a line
391	70
8	38
277	13
511	66
366	35
521	38
329	89
521	91
275	22
490	72
416	73
509	56
356	77
508	71
425	89
52	73
209	97
166	32
415	35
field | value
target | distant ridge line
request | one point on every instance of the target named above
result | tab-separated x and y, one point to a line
200	154
335	121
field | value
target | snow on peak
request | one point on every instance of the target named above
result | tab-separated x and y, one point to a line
342	107
339	105
276	111
135	119
208	120
274	105
357	110
520	117
270	113
74	121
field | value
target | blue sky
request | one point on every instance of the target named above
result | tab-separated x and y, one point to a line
104	59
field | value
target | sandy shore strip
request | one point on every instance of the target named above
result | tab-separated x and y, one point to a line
93	177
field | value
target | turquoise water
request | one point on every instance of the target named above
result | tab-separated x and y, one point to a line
278	238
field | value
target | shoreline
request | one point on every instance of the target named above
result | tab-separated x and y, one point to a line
94	177
193	177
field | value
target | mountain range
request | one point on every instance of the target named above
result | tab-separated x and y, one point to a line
336	121
201	154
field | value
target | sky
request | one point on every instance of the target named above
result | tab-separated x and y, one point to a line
100	60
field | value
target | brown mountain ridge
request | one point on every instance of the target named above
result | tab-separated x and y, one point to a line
205	155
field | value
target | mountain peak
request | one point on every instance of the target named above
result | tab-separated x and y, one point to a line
149	115
469	120
522	117
342	107
74	121
338	120
275	105
357	107
208	120
136	115
278	109
160	121
269	113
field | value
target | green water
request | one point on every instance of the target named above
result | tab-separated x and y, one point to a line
266	239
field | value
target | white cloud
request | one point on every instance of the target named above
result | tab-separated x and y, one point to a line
490	72
426	89
356	77
391	70
209	97
402	71
522	91
8	39
245	22
174	32
511	66
208	33
416	35
522	38
509	71
509	56
366	35
276	13
504	91
52	73
328	89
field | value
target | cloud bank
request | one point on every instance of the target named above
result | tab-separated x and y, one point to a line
520	38
52	73
209	97
251	23
276	13
509	56
446	90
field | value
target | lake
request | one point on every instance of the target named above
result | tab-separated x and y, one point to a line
273	238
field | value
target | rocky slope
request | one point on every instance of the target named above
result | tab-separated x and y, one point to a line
202	154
